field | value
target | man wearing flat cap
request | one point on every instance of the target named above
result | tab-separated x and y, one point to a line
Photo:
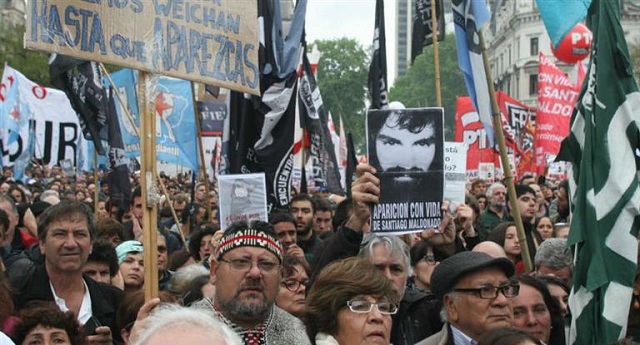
246	270
475	291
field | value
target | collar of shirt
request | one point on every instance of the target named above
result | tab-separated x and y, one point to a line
85	311
459	338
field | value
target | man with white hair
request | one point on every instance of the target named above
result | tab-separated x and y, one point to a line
496	211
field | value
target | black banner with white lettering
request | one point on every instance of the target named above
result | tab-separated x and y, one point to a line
314	118
422	34
118	175
378	69
82	82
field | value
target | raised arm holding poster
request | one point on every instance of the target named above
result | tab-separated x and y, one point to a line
406	148
242	197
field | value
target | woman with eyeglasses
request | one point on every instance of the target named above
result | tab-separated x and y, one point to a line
536	312
350	302
424	259
291	296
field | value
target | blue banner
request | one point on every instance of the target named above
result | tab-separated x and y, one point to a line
176	135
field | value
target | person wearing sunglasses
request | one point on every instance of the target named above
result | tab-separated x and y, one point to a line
295	280
475	292
351	302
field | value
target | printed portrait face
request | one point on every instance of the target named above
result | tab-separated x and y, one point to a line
406	143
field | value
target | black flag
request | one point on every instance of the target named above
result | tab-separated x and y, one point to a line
259	133
352	162
422	34
315	120
378	68
118	175
82	82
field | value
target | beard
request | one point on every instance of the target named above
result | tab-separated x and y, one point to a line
303	232
238	308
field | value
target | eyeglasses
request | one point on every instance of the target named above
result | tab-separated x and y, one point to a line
362	307
293	285
429	259
491	292
162	249
244	265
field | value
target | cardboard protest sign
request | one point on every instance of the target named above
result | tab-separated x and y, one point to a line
406	148
242	197
455	173
213	42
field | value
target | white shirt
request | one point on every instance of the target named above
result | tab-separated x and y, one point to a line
85	312
4	340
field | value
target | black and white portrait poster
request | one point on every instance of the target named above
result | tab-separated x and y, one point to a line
406	148
242	197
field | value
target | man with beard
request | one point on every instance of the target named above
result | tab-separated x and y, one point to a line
527	207
245	269
302	208
496	212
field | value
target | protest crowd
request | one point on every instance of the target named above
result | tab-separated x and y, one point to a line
313	274
407	247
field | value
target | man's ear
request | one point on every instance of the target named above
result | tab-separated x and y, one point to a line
213	266
451	306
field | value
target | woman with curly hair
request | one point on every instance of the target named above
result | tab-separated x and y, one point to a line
43	322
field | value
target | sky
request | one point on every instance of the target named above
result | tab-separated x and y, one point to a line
329	19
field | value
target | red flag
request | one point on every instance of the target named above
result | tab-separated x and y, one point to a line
556	99
471	131
518	122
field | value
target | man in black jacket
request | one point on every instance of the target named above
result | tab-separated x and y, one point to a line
418	315
65	234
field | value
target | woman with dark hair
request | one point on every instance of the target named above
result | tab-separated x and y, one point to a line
535	311
200	244
350	302
7	319
506	235
558	290
128	311
295	279
544	226
18	194
424	259
508	336
43	322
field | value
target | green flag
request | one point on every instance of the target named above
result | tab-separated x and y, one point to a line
604	185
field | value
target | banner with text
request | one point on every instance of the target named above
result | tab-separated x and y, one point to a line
213	42
557	96
471	131
518	123
58	136
242	197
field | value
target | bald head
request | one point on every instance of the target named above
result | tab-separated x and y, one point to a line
490	248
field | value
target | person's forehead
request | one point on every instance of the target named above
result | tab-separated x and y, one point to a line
322	214
134	255
70	221
527	194
381	254
253	252
301	204
485	276
284	226
96	265
161	241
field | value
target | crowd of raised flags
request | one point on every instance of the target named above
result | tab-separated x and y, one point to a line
40	124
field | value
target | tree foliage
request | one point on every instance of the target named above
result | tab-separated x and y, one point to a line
33	64
342	79
417	87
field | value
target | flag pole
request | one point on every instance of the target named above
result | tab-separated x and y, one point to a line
147	178
436	58
95	182
504	157
173	214
203	165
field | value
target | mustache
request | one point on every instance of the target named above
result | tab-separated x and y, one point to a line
402	169
252	284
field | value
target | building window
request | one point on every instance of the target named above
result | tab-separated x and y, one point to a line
533	84
533	45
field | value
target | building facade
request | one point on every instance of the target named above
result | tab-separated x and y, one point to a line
12	12
516	36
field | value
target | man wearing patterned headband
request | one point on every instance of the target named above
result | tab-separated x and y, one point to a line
246	270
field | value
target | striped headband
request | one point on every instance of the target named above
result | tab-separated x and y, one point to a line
249	238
